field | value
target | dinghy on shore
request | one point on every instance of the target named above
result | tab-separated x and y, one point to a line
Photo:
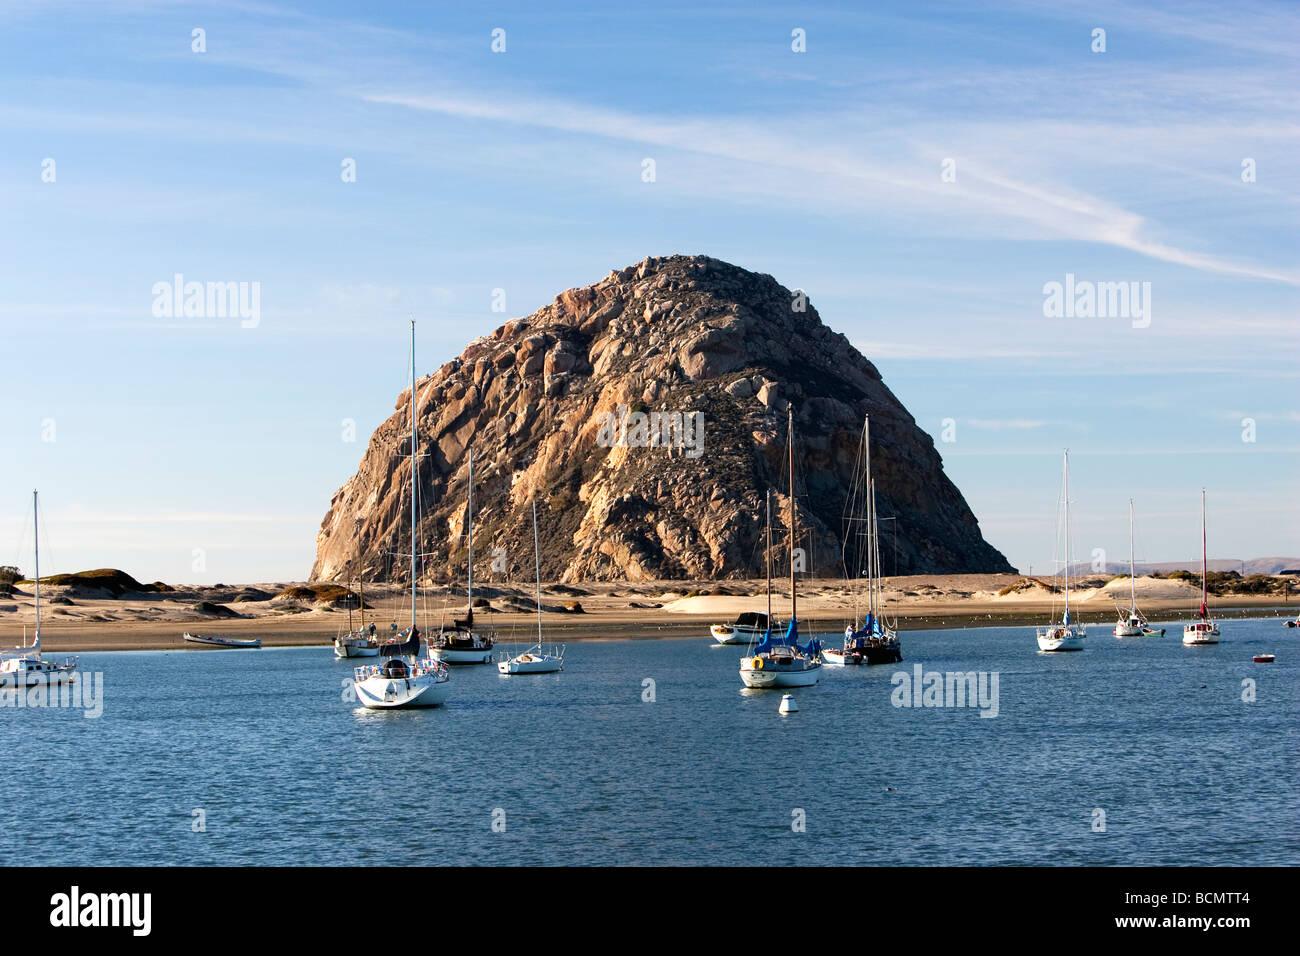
220	640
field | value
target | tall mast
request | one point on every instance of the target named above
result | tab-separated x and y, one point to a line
413	478
876	584
871	520
768	562
537	560
1067	536
1132	584
794	616
1205	584
36	524
471	536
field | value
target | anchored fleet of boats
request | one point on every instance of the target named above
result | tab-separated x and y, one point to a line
415	669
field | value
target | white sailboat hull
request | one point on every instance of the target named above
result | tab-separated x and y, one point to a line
1061	638
531	663
395	693
346	649
1201	632
771	676
451	655
1128	630
52	677
837	658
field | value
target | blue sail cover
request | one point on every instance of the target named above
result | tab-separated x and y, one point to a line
789	639
871	627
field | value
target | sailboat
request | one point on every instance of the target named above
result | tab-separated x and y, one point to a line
362	641
1131	621
870	640
1203	630
535	660
24	666
460	643
1066	635
781	661
405	679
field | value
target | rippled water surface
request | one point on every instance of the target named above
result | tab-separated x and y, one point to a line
288	770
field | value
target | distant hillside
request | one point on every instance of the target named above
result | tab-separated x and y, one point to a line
1252	566
112	580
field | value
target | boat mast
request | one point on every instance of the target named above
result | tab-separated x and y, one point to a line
413	478
768	562
877	583
1132	584
871	521
36	525
793	597
470	616
1067	536
537	561
1205	584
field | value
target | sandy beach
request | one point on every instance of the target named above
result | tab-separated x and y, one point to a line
619	610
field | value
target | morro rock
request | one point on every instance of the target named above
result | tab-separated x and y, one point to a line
727	350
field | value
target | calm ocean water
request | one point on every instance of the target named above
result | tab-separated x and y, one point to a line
1153	733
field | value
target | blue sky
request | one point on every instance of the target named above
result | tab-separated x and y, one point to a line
522	171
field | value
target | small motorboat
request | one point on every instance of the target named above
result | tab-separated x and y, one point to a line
1263	658
220	640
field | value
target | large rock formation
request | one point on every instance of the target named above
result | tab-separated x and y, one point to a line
677	334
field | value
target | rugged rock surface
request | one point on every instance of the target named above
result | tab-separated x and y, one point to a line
676	334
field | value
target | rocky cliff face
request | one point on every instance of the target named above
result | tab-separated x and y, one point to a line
550	405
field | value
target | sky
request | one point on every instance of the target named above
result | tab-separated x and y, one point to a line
923	171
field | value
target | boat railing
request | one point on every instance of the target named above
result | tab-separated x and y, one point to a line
423	667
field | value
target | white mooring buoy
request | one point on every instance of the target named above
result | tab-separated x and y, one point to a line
788	706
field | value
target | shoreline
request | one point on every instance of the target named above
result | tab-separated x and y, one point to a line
516	628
